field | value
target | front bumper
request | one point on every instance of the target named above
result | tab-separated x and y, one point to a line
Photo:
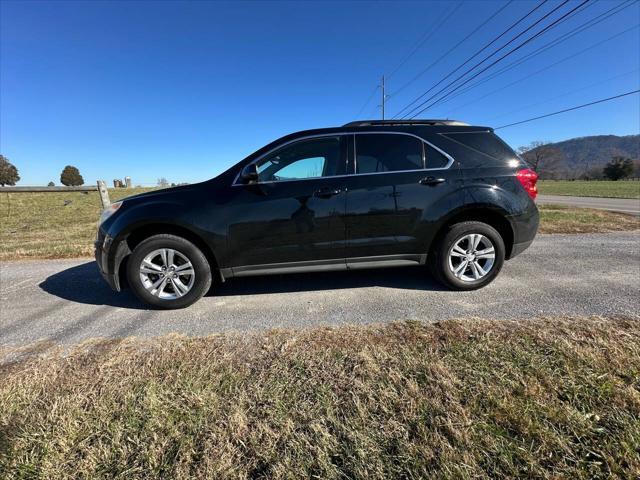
102	247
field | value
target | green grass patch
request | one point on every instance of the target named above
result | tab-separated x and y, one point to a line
585	188
548	398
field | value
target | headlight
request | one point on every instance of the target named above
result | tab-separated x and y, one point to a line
110	210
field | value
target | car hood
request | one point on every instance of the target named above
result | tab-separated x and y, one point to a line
161	192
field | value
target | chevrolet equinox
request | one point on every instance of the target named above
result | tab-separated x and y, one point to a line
368	194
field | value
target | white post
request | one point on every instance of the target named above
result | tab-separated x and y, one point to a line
104	194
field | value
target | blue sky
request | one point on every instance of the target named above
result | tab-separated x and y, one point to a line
183	90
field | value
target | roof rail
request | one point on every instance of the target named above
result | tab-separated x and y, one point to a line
373	123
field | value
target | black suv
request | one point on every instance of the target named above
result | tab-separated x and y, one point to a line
368	194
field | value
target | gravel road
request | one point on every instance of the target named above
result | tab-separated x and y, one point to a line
624	205
66	301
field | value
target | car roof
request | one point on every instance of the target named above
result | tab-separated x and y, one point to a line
416	127
373	123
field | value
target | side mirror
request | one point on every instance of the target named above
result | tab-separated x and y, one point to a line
249	173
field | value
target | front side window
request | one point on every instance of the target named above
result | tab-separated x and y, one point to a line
387	153
318	157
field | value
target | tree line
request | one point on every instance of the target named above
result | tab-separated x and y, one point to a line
69	177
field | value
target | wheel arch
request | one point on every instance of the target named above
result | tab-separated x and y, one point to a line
496	218
142	232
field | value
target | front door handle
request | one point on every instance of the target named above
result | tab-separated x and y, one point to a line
432	181
327	192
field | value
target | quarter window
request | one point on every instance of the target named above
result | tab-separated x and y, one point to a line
486	143
387	153
433	158
318	157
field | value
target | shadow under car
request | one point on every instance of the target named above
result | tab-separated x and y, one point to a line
84	284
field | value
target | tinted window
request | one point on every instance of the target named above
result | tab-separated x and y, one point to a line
387	153
434	159
318	157
484	142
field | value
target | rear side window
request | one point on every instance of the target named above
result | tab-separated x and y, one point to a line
387	153
433	158
487	143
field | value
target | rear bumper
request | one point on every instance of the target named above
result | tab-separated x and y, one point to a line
518	248
525	228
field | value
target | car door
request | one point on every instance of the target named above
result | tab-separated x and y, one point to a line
294	213
399	188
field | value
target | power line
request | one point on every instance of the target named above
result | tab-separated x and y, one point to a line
511	27
434	63
384	99
568	109
368	100
431	30
529	75
564	94
374	111
545	29
557	41
460	77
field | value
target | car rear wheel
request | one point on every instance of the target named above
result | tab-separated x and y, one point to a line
469	256
167	271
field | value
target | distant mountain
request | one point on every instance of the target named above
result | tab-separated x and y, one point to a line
582	157
596	151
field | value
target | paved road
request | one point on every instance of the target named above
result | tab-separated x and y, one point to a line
66	301
624	205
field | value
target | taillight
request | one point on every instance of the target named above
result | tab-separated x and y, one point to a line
528	178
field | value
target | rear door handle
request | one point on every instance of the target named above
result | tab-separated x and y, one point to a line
327	192
432	181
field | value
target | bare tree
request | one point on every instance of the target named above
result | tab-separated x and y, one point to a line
163	182
591	173
545	159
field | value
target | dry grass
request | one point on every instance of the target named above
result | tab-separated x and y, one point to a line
561	219
549	398
40	225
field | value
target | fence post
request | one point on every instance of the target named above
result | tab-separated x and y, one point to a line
104	194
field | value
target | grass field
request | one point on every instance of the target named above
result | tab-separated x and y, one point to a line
40	225
550	398
582	188
562	219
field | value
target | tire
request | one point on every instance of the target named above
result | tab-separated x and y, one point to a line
175	289
444	260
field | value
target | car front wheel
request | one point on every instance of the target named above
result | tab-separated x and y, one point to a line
167	271
469	256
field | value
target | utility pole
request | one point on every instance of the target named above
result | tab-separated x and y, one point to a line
383	97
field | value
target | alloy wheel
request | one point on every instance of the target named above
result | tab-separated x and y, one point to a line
471	257
167	274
